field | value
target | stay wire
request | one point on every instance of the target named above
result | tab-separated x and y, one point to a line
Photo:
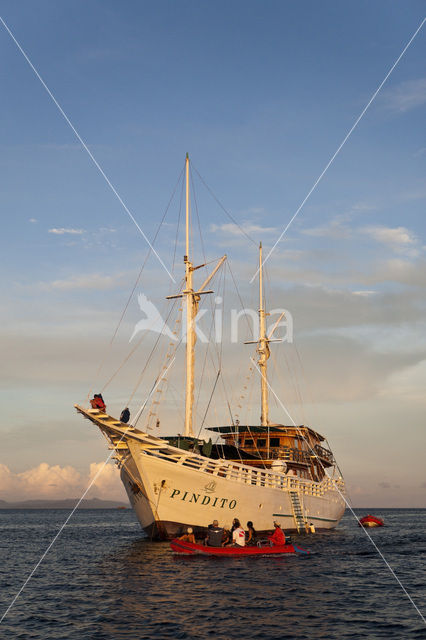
136	282
84	145
223	208
64	524
208	404
135	388
250	334
342	495
342	144
201	235
212	326
178	223
146	258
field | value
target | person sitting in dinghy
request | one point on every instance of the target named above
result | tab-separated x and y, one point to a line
188	536
215	535
238	535
278	537
251	534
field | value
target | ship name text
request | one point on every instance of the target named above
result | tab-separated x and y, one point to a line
188	496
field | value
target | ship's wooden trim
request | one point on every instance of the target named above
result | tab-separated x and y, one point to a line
118	434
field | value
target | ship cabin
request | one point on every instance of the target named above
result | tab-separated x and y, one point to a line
296	450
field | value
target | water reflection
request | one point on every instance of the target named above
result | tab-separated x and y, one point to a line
105	580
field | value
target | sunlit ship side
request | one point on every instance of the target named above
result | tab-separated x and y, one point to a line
170	488
261	473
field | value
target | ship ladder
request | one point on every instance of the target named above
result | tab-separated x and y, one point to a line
297	511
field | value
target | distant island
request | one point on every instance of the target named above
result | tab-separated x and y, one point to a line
68	503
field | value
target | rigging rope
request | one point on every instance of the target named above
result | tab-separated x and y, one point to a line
208	404
135	388
250	335
102	362
171	351
223	208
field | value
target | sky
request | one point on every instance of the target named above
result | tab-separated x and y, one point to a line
261	95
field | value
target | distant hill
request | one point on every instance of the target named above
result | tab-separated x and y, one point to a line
68	503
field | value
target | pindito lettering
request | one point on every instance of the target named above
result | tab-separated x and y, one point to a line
198	498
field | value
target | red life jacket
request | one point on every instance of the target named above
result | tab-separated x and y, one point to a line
98	403
277	538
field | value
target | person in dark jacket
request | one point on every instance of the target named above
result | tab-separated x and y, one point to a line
214	535
125	415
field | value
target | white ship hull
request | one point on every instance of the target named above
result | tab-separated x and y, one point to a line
170	489
168	496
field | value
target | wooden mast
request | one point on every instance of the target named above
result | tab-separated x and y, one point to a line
192	302
263	350
191	311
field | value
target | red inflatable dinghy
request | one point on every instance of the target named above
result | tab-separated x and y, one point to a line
371	521
188	548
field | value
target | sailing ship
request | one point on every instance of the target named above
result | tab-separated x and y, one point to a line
261	472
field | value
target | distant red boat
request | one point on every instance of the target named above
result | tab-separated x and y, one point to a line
371	521
188	548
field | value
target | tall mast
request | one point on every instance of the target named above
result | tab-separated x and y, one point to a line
263	349
192	302
191	312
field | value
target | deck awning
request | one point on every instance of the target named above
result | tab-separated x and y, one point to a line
234	430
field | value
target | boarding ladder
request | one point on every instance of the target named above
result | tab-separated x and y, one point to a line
297	511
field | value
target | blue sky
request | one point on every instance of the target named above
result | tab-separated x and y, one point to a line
260	95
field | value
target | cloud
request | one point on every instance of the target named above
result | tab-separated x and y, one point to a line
419	152
56	482
387	485
366	293
338	226
335	229
43	481
32	220
235	230
398	239
405	96
391	236
106	482
408	383
89	281
62	231
63	147
401	271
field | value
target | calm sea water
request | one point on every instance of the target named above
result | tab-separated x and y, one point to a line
104	579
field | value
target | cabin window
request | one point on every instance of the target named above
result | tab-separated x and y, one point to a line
261	443
248	442
274	442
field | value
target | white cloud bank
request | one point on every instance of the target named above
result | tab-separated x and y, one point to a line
406	95
391	236
62	231
56	482
237	230
83	282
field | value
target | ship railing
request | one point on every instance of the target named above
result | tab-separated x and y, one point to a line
161	449
324	453
245	474
289	454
